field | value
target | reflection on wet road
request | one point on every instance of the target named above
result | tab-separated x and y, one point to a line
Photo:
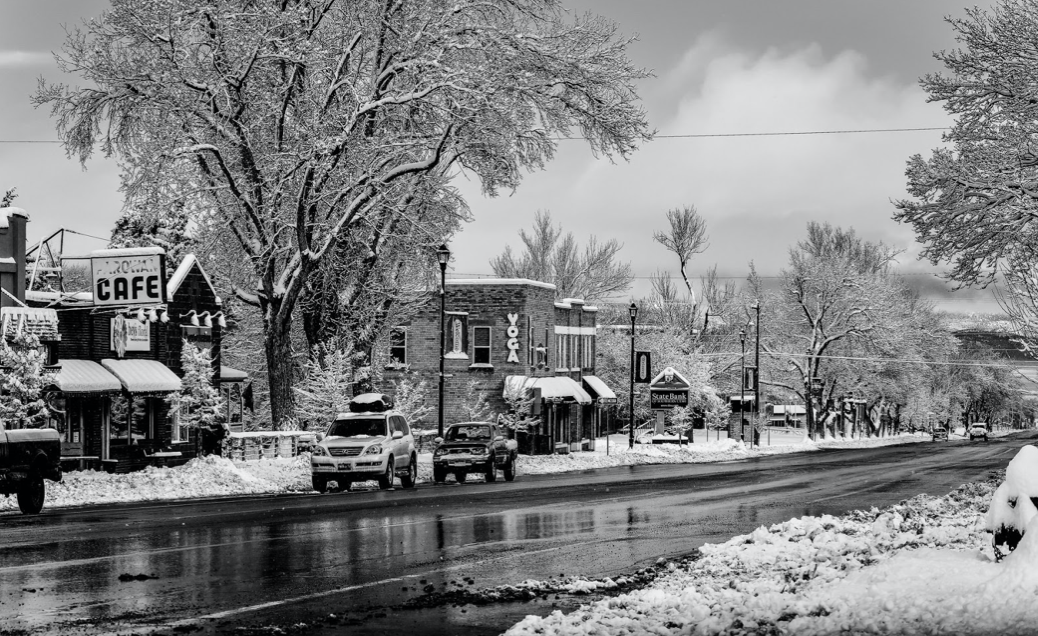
218	564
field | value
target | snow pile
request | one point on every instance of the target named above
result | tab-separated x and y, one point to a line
209	476
924	566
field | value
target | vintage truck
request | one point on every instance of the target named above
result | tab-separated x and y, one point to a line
474	447
27	457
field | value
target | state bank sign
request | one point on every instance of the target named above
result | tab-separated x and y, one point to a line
129	277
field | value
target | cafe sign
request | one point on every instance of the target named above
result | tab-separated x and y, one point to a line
128	276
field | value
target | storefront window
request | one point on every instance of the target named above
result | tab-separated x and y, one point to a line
131	420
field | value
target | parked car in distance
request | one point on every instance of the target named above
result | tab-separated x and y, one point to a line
979	430
372	441
940	433
474	447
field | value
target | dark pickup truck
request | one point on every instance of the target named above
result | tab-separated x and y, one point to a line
474	447
27	456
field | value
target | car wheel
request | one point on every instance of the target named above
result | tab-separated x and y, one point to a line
411	478
31	495
345	486
320	484
439	474
510	470
385	482
460	477
491	474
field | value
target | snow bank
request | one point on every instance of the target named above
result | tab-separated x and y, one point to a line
209	476
823	575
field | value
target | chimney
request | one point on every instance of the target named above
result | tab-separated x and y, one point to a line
12	255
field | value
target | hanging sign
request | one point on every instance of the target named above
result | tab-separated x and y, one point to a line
132	276
642	367
130	334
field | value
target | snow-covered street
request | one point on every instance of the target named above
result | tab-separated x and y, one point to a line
217	477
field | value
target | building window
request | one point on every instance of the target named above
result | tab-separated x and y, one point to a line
456	336
481	345
398	345
132	420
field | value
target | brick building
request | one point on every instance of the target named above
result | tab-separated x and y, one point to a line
510	333
115	351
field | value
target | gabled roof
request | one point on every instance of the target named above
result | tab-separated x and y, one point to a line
178	277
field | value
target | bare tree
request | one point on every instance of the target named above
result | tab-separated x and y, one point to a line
298	122
553	257
686	238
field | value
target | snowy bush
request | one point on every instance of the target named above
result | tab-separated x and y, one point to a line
1012	506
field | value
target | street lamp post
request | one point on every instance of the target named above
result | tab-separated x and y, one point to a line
633	310
442	255
742	387
756	374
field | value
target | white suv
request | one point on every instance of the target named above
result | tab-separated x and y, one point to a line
979	429
370	442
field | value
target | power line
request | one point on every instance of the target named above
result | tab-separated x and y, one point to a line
800	132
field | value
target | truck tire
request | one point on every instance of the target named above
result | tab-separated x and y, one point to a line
510	470
439	474
491	474
31	494
411	478
460	476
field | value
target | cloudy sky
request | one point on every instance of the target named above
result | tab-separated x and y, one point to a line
721	67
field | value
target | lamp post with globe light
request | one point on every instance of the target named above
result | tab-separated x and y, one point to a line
633	310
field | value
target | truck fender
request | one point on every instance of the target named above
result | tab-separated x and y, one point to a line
44	467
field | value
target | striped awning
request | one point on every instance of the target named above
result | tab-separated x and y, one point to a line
560	387
143	376
86	377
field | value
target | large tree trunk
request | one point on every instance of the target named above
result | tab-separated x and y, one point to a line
277	343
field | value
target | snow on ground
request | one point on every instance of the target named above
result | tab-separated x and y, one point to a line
924	566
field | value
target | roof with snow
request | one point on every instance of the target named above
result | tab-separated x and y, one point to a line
560	387
126	251
8	213
182	271
499	281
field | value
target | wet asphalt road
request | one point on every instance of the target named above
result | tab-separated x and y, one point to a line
210	567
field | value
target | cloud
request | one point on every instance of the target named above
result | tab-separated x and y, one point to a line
756	193
15	59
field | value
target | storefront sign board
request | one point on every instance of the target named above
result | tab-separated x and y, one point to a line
132	278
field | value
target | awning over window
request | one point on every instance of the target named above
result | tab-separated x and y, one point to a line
227	374
553	387
86	376
143	376
598	389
